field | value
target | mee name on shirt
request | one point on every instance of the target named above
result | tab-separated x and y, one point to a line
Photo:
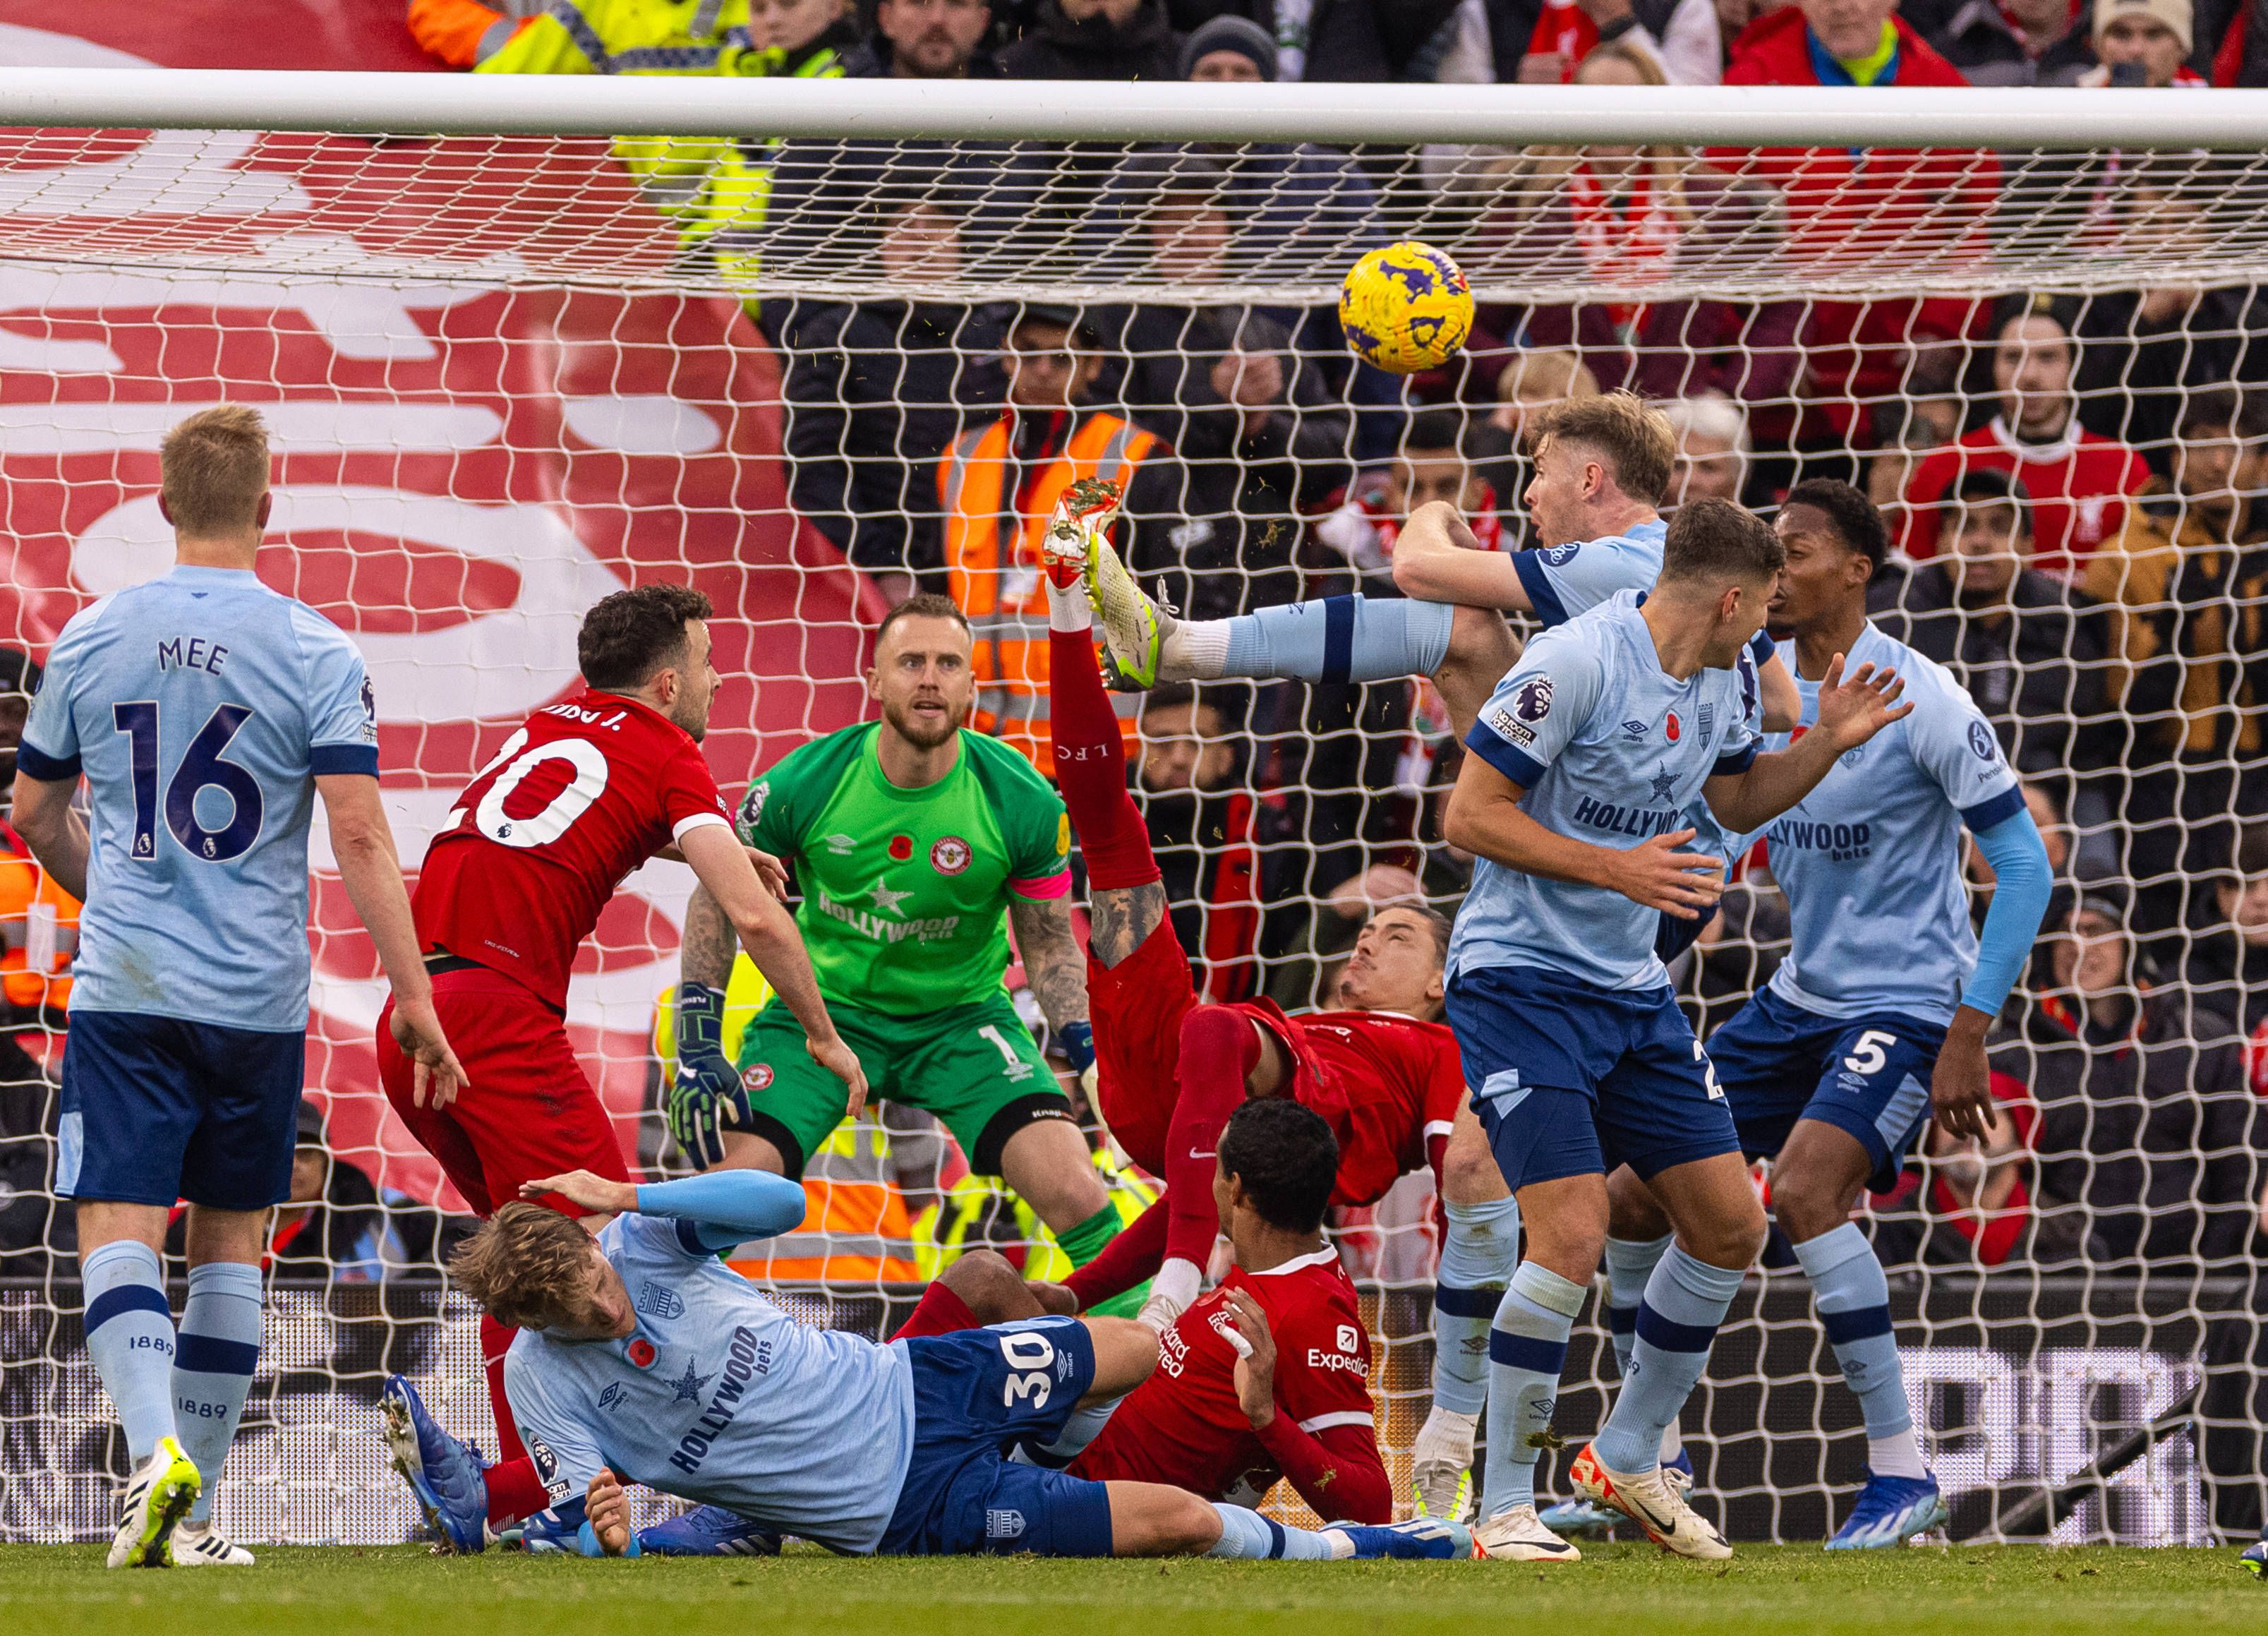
1608	748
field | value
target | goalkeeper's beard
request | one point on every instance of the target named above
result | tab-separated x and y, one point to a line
925	732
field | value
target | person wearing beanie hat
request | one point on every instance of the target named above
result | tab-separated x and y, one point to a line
1229	48
2144	38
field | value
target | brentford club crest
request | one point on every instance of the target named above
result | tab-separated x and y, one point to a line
1671	728
758	1075
950	856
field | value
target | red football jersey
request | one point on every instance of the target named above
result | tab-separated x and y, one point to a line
1387	1083
2079	487
1183	1425
581	795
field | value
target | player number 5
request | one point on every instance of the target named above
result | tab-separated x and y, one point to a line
1025	1350
1869	1056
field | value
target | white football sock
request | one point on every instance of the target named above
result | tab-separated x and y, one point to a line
1068	610
1898	1454
1195	649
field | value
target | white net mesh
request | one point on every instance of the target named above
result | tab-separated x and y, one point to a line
506	374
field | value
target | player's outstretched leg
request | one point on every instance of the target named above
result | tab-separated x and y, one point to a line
1151	1519
1479	1255
443	1472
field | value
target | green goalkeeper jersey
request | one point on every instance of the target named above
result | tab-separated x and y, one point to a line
905	892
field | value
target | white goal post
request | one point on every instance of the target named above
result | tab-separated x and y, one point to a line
513	352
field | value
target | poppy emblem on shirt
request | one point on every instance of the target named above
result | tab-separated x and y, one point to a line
1669	726
640	1353
950	856
901	847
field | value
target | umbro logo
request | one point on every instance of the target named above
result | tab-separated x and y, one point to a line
1634	729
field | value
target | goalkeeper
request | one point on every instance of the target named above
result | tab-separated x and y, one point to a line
916	843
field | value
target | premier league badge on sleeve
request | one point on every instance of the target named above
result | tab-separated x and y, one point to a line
1533	703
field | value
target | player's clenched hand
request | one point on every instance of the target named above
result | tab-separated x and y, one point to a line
1854	709
607	1510
841	1061
1056	1299
584	1188
1961	1085
435	1076
769	870
1659	874
1255	1361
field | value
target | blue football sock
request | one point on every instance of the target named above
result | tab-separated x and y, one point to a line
1528	1350
1341	638
1685	1301
129	1339
1854	1308
1250	1537
1630	1263
1478	1258
212	1369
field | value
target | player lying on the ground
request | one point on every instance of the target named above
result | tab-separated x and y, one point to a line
1381	1070
581	794
1608	728
1602	465
189	1034
641	1358
917	844
1879	1012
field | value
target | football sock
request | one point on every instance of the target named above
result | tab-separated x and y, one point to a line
1853	1298
1630	1263
1685	1301
515	1488
129	1339
1125	1261
1090	757
1340	638
1218	1048
1085	1241
1068	610
1248	1537
1528	1350
1478	1257
212	1367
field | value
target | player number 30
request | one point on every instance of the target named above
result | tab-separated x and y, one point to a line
1031	1356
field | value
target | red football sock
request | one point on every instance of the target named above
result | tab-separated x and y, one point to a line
515	1490
1218	1048
1091	767
1124	1262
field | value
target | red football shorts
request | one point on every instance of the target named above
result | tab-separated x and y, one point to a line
1137	1007
938	1312
527	1111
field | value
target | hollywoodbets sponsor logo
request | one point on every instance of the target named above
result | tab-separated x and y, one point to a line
1842	842
1631	820
749	1358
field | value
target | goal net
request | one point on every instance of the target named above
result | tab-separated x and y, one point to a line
519	343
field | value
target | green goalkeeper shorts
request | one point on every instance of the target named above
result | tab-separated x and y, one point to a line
976	1067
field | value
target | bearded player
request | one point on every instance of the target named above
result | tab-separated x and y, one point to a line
581	794
1381	1070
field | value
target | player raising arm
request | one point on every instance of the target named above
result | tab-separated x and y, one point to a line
702	1388
206	712
583	793
1579	1057
1880	1011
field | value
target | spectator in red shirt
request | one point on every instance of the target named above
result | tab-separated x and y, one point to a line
2078	481
1850	209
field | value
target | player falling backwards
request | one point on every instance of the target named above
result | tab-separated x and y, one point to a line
1381	1071
581	793
1606	730
918	843
206	712
1880	1011
700	1387
1602	467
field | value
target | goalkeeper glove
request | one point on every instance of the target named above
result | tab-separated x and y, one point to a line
705	1095
1075	1039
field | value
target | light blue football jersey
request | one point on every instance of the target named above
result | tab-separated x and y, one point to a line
722	1396
1610	749
1565	581
1871	858
201	706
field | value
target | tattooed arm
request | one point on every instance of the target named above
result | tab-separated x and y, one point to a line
1120	919
1052	963
708	942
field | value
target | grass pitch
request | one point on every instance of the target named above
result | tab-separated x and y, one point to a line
1625	1590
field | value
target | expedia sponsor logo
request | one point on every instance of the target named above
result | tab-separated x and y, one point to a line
1841	842
1616	820
1318	1359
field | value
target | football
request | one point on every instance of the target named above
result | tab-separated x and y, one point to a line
1406	307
